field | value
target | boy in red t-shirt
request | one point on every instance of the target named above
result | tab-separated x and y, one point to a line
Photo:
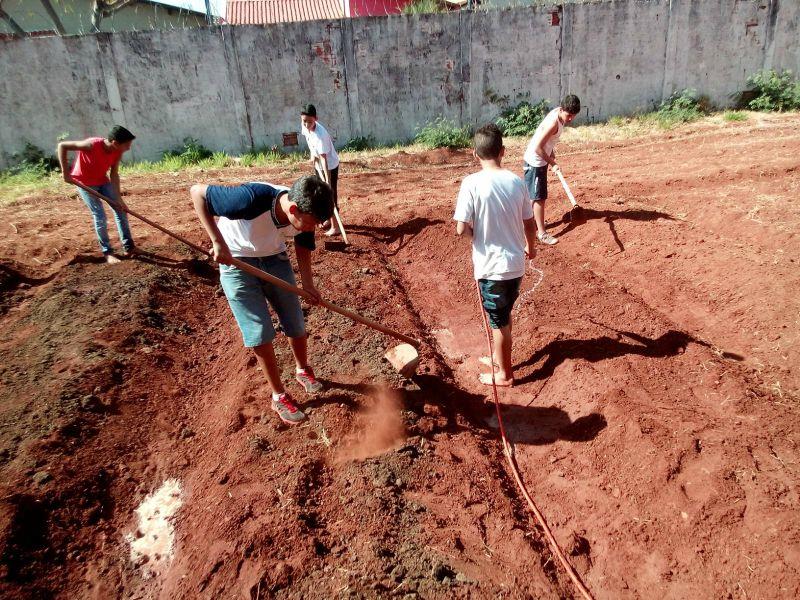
96	156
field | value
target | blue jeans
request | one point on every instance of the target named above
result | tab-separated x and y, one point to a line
248	296
99	216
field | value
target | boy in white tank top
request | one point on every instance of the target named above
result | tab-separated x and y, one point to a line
541	153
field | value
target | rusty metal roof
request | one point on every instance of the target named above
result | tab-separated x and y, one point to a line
258	12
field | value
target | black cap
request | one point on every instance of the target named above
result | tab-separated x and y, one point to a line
120	135
309	110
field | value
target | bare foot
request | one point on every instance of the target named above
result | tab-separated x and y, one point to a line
112	260
332	231
485	360
486	379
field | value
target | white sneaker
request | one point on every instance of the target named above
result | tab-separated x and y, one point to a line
546	238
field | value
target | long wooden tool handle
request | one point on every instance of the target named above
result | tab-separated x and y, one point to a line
318	170
566	188
259	273
341	226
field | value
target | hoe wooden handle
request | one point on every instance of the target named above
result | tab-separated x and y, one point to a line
318	171
258	272
566	188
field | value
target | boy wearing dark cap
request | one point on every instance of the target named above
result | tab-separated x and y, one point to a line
323	154
95	156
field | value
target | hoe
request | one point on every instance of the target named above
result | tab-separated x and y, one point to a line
403	357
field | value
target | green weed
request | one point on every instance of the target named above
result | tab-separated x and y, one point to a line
523	119
442	133
191	153
359	144
681	107
418	7
774	91
734	115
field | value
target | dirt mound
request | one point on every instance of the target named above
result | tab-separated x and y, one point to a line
438	156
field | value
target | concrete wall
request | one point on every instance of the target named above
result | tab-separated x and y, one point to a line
615	51
235	88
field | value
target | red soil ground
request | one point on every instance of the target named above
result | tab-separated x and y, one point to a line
656	422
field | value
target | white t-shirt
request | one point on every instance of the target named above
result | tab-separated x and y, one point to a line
495	203
319	142
251	228
254	238
531	157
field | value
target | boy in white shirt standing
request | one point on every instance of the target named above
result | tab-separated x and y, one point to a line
494	210
541	153
323	155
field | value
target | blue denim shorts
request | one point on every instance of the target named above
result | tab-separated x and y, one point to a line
250	298
536	181
498	299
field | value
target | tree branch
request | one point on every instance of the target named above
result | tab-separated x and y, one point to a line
11	22
105	8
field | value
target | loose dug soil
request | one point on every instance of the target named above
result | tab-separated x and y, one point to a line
656	421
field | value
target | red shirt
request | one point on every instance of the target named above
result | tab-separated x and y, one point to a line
91	166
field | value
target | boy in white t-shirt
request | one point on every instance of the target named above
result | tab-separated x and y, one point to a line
541	153
494	210
324	159
247	222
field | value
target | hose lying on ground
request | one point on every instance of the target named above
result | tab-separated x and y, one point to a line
508	451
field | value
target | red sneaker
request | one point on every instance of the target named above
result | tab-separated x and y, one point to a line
287	410
305	377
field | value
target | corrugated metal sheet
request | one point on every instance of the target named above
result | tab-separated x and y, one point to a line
258	12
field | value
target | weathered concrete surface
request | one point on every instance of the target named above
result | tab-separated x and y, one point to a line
178	84
510	55
235	88
285	66
783	50
716	65
48	87
407	72
613	56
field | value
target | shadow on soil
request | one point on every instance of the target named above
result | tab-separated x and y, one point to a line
199	267
456	410
580	216
607	347
402	233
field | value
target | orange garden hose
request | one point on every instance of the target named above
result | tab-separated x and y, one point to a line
507	450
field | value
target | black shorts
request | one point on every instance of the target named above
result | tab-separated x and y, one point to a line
536	180
498	299
335	185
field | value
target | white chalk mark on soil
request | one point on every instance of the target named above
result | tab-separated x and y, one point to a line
151	544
